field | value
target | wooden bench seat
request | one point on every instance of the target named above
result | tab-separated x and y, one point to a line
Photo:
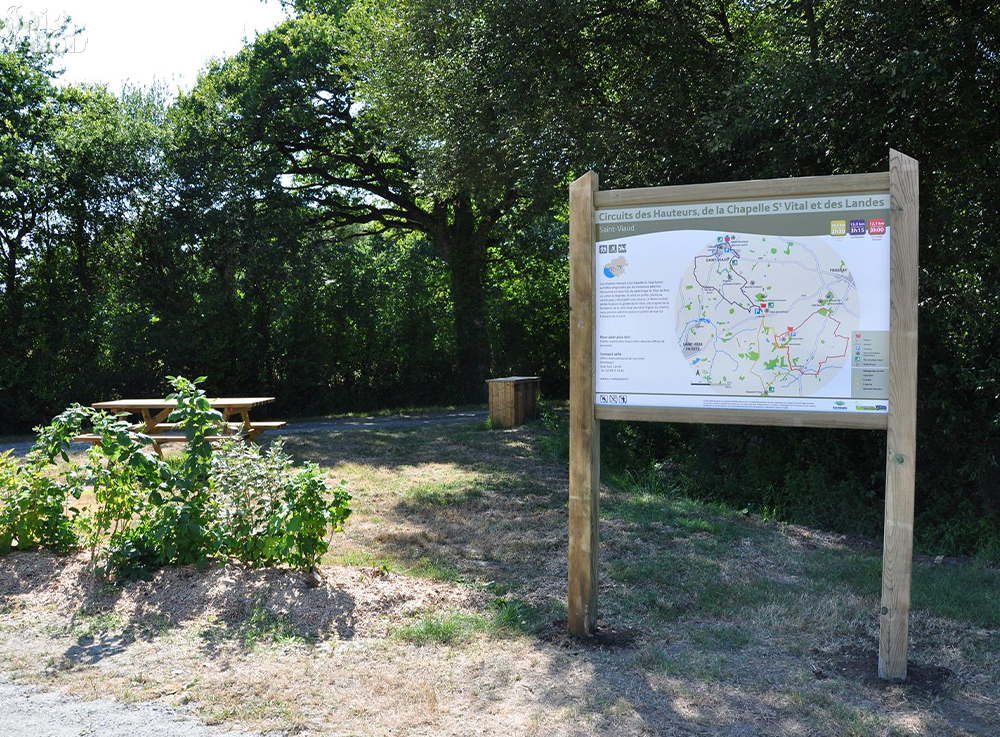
160	439
233	426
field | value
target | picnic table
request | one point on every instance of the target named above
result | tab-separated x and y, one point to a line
154	413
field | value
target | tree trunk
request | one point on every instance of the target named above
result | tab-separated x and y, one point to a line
472	342
465	250
12	293
810	13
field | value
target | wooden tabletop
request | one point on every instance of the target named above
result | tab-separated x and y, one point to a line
137	405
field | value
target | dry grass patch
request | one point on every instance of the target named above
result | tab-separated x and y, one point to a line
439	615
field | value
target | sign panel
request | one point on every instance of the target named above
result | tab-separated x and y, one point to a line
765	304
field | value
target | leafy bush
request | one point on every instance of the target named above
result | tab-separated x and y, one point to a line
832	479
133	555
237	501
183	516
556	439
247	484
270	515
32	508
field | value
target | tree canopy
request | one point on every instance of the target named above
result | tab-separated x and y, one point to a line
366	206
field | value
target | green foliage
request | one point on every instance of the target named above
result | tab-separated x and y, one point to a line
133	555
384	183
308	516
118	469
32	508
269	514
183	510
556	438
237	502
248	486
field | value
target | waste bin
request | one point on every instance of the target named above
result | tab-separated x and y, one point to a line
513	400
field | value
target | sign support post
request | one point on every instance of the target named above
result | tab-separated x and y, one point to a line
823	198
584	429
901	439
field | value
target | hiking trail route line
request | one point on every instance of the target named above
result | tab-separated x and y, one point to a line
766	316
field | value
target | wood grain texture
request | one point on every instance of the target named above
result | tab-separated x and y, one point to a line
759	188
513	400
849	420
897	556
137	405
584	429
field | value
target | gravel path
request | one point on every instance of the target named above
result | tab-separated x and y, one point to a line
337	424
29	712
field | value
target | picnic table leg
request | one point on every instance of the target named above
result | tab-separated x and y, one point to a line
247	427
150	425
151	422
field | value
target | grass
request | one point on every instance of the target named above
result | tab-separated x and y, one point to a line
505	618
444	628
965	593
443	493
732	621
721	638
260	627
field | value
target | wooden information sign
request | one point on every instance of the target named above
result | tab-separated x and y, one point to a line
775	302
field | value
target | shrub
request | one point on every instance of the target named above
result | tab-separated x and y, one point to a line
237	502
247	485
32	508
306	517
183	513
269	514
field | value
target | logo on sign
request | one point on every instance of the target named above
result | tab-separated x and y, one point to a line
615	267
858	227
838	227
876	226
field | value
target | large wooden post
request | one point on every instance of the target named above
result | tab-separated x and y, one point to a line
584	430
897	557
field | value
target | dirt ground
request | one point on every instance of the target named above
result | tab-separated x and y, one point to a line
442	613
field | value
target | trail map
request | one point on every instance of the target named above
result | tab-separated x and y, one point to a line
759	315
772	304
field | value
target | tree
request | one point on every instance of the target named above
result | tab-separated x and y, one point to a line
77	169
455	149
26	179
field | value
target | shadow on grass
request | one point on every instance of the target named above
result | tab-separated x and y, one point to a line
736	631
727	605
239	605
